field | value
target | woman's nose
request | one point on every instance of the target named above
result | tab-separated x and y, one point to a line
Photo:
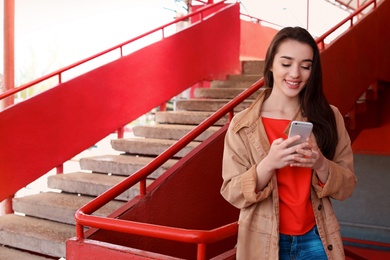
294	72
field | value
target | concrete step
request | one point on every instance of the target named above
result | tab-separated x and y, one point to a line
186	117
59	207
221	93
208	104
36	235
252	66
172	132
124	165
232	83
91	184
148	146
245	77
7	253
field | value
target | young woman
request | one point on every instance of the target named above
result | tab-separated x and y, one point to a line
283	192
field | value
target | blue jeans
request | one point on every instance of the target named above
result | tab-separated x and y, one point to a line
306	246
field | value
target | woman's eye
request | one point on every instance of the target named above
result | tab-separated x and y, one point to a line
286	65
306	67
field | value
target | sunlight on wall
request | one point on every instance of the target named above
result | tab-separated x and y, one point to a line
322	14
52	34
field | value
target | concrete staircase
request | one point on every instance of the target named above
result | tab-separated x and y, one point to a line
43	222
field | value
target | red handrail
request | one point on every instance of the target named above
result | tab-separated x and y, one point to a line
171	233
200	237
58	73
321	39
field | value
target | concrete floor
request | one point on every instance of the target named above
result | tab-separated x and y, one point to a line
366	214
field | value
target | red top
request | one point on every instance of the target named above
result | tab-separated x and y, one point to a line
296	211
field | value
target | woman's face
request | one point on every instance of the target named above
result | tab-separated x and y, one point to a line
291	67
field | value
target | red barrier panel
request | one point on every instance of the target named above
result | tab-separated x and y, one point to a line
357	59
49	129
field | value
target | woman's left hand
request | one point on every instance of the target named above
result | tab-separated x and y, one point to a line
308	154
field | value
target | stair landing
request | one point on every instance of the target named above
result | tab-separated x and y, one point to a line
377	140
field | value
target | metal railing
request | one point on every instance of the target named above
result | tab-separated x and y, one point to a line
60	72
321	40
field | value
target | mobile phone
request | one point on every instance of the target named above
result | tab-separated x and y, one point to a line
300	128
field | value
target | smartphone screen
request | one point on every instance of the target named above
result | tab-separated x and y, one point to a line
300	128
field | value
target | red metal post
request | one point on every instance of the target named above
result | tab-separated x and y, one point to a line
231	115
9	49
6	206
60	169
201	251
142	187
163	107
9	74
79	231
121	132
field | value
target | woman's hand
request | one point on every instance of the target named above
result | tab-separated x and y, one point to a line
308	154
279	156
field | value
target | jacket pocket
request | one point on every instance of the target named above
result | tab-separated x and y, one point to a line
253	221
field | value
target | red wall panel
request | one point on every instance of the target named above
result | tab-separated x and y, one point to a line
48	129
255	40
357	59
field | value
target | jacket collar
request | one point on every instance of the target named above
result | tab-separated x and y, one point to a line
252	113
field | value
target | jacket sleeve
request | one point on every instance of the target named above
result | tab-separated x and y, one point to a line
239	172
341	181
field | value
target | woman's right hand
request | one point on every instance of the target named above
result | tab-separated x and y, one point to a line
280	155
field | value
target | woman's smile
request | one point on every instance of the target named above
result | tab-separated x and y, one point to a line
292	84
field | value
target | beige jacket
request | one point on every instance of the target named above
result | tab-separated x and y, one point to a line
246	144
